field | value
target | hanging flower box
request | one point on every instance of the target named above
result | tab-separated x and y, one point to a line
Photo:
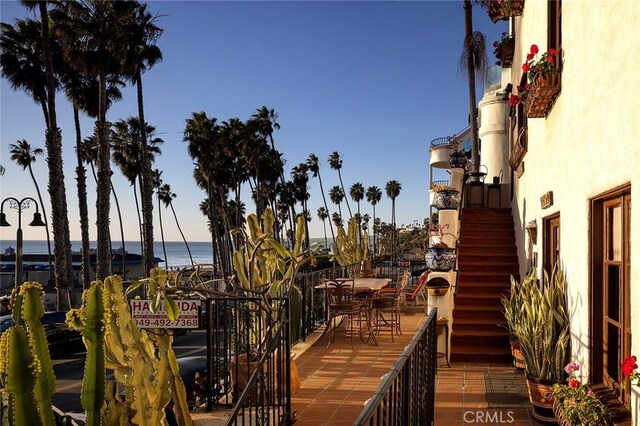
503	50
542	94
501	10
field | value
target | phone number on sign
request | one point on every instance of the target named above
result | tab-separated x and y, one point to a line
167	323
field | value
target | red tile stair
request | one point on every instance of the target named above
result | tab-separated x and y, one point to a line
487	257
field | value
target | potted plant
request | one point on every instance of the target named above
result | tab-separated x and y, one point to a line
265	269
576	404
513	314
629	368
503	50
543	333
447	197
457	158
543	83
503	9
439	256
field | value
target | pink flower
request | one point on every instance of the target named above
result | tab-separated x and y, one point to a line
534	48
572	367
590	392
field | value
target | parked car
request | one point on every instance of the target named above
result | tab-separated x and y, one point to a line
62	339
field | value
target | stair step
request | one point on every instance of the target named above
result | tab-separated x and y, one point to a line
487	226
479	299
475	211
483	340
475	354
490	314
464	325
485	233
498	268
484	241
486	257
480	249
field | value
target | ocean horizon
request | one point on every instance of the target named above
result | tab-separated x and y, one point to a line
177	255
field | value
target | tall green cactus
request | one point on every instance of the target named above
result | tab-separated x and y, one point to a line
26	370
349	250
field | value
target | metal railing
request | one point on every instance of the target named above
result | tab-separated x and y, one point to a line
441	141
248	359
406	397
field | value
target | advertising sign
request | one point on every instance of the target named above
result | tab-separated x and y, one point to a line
145	318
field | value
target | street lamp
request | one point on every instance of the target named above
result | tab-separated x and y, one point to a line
37	221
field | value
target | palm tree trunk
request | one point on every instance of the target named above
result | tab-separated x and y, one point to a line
147	190
324	200
181	233
81	178
164	247
124	251
59	211
135	196
44	214
103	203
324	225
471	78
346	199
373	229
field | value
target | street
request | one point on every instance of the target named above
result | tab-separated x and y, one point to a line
69	370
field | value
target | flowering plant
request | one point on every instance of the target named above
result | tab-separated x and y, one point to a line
539	66
497	46
437	188
579	404
438	231
629	368
523	92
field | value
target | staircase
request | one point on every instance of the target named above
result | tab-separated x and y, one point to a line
487	257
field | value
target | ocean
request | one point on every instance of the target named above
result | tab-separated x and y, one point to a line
177	255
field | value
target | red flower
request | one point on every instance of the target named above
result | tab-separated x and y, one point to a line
527	86
534	48
530	56
514	100
550	59
574	384
628	365
495	44
553	52
525	67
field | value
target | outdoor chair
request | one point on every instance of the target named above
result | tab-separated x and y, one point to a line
343	306
416	294
386	308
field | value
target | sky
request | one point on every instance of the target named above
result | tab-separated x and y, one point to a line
375	81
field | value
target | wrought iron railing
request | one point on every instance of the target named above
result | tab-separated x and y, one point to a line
441	141
406	397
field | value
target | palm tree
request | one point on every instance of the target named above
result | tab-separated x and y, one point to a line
393	189
337	219
57	191
300	179
336	163
93	32
143	54
166	196
374	195
357	194
323	215
24	156
313	163
474	60
336	194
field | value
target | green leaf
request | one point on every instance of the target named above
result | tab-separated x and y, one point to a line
155	303
171	307
134	286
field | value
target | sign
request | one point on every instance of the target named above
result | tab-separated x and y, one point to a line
546	200
145	318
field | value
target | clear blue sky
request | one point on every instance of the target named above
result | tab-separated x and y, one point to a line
375	81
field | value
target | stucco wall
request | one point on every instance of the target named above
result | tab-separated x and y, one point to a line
589	143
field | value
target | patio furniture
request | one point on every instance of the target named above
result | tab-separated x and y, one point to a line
342	306
413	295
386	309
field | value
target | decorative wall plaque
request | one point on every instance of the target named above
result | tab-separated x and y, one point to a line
546	200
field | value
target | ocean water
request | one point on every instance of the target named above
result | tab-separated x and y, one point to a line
177	254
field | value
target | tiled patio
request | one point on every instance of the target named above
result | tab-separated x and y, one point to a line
336	382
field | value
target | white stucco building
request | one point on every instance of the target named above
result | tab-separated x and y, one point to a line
571	175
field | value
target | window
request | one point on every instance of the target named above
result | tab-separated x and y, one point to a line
551	247
554	25
610	288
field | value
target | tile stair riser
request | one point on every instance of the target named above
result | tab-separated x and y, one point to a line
482	250
499	259
490	267
486	235
486	243
479	340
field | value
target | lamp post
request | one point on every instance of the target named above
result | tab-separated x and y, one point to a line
37	221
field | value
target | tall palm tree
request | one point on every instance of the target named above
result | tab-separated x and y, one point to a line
167	196
336	194
94	33
143	54
53	142
374	195
323	215
357	194
313	163
157	183
336	164
24	155
300	180
337	219
393	189
473	60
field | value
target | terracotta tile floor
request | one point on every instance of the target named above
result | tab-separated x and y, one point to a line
336	382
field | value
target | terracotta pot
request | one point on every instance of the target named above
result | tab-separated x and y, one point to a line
541	398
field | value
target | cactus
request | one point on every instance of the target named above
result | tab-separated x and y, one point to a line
90	321
348	250
26	370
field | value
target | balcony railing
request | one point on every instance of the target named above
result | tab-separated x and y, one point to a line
406	397
441	141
